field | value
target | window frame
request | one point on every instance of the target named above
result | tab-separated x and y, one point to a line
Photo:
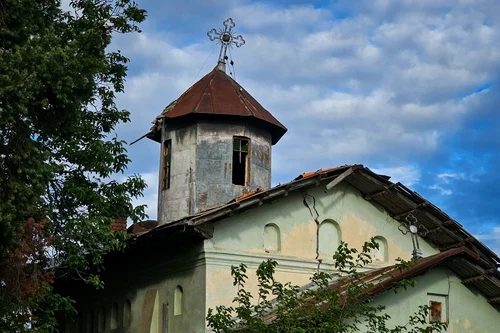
166	164
246	180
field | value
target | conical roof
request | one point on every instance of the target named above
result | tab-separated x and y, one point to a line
218	94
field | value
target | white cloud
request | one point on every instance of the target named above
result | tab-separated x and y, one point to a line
381	86
493	238
406	174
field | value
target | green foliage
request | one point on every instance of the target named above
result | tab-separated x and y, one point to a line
58	149
331	303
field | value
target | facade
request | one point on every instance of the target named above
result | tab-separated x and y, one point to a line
217	209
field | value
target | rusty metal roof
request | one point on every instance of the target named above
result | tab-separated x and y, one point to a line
379	280
218	94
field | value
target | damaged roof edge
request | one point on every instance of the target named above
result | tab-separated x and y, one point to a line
443	231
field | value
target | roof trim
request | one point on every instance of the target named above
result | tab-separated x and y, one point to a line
395	198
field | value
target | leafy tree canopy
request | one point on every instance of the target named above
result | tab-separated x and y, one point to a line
58	149
330	304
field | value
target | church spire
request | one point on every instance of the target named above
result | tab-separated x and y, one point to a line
226	38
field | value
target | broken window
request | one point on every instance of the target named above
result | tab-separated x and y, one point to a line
436	312
240	160
167	152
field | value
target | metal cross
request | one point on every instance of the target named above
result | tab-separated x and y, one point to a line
226	38
410	224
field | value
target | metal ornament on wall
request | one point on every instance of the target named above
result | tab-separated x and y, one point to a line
412	226
226	38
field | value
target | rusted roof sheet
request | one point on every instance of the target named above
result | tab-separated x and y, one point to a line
384	278
218	94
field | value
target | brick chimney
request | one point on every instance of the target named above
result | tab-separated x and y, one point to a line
119	224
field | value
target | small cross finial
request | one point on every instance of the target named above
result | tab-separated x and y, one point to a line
226	38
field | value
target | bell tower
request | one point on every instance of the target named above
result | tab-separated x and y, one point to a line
215	141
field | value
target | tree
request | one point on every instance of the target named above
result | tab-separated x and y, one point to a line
58	150
330	304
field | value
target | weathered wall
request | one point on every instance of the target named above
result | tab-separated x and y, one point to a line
201	166
147	287
214	156
175	202
240	238
468	310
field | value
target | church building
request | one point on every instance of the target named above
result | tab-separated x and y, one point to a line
217	209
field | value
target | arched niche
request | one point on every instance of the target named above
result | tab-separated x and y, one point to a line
272	238
101	319
114	319
127	313
381	254
329	238
178	300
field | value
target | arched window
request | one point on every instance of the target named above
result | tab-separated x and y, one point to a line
380	254
101	319
114	316
127	314
178	295
329	238
272	238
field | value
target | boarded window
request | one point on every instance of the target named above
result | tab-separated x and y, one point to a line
167	156
381	254
436	312
439	307
178	299
241	148
329	238
272	239
127	314
114	316
164	326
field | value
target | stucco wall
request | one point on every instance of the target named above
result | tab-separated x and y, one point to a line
201	166
467	309
240	238
176	202
214	162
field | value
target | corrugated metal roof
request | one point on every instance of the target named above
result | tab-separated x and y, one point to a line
218	94
395	198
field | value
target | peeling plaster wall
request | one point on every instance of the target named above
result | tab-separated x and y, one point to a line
468	310
162	274
201	166
240	238
214	158
174	203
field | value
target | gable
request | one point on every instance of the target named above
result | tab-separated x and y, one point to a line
303	218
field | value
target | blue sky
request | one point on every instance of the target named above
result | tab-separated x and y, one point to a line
408	88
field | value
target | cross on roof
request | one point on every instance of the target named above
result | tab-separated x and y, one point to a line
226	38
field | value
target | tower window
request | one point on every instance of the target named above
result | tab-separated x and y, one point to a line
167	153
240	160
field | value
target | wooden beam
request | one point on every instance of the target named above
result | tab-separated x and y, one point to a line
397	217
338	179
382	192
474	279
494	299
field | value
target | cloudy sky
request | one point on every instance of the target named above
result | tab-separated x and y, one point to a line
408	88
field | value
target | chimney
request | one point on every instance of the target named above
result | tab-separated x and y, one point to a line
119	224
